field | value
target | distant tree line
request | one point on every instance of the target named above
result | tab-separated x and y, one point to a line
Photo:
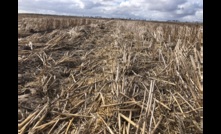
113	18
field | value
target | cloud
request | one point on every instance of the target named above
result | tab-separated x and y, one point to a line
183	10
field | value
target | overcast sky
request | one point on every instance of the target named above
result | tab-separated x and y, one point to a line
182	10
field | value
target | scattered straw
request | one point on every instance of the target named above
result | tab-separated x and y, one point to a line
85	75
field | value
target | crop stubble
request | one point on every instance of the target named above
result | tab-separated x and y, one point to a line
88	75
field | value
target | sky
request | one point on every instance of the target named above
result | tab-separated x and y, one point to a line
161	10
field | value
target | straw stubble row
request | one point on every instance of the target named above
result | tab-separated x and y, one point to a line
113	77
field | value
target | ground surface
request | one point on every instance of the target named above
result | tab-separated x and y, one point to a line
82	75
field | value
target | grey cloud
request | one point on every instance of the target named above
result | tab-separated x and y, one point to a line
46	5
165	5
184	10
187	10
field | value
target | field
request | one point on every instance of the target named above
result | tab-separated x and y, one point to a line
98	76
